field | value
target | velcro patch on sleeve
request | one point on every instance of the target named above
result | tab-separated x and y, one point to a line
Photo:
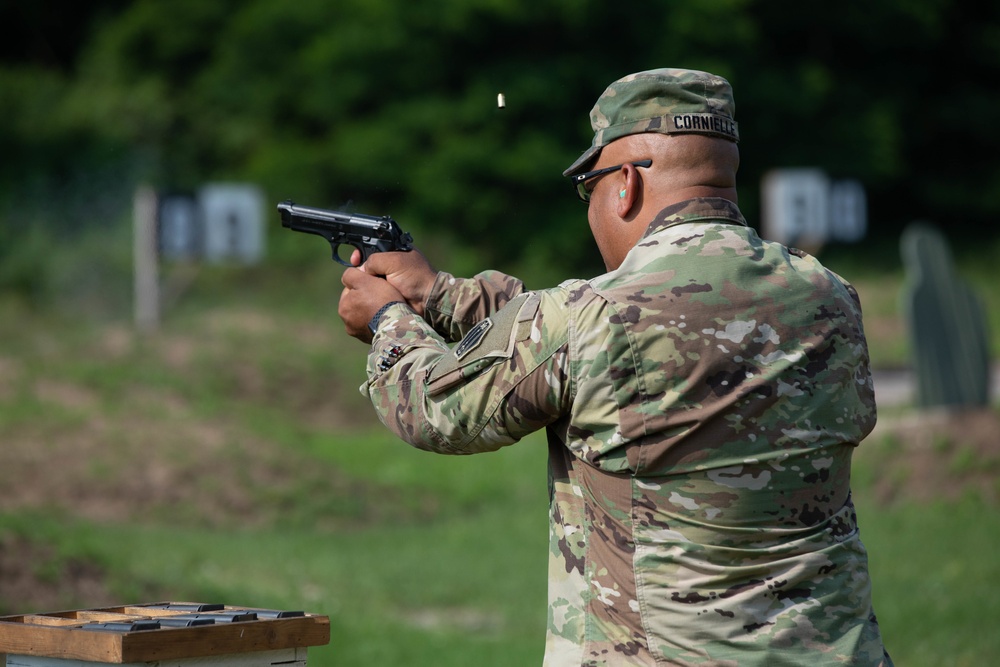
486	343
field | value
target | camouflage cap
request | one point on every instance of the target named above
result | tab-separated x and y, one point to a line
669	101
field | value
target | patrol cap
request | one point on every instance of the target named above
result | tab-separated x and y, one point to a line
667	100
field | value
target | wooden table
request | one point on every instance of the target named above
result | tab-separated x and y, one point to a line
169	634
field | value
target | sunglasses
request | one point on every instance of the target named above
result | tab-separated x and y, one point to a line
580	179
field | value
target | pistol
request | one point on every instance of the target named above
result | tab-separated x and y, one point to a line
368	233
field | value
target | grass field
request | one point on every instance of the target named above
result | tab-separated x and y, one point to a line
230	458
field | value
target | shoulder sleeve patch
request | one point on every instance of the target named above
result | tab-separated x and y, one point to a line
490	340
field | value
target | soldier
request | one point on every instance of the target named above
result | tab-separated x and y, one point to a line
702	400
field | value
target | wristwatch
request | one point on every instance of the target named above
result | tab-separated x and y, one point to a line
373	322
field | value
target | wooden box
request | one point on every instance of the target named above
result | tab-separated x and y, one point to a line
172	634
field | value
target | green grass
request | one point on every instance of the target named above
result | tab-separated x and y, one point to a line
934	570
465	585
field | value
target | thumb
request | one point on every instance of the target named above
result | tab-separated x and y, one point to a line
376	265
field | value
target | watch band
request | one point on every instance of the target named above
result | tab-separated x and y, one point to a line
373	322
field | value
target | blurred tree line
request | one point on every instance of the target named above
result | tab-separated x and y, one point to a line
390	106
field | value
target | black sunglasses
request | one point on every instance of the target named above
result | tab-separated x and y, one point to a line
579	179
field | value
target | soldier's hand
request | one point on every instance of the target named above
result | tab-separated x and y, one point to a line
361	298
409	272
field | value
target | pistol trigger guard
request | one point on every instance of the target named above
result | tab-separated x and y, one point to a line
335	246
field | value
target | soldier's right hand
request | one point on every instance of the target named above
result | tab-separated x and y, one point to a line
409	272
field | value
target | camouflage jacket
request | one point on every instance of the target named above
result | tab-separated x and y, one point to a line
702	403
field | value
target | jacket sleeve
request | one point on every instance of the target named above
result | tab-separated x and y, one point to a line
507	377
455	305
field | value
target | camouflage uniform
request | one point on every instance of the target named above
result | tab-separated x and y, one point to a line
702	402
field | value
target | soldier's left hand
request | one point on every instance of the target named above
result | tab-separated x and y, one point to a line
361	298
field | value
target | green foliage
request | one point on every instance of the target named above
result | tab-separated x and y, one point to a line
391	105
21	258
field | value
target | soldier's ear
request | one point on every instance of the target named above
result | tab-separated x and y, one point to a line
629	194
